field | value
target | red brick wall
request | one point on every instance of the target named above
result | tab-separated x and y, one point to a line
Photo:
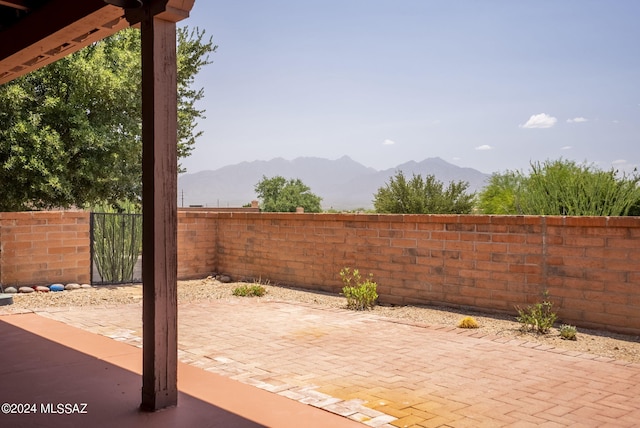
589	265
48	247
196	244
44	247
593	267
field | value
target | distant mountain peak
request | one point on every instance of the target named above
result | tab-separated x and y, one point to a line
342	183
436	159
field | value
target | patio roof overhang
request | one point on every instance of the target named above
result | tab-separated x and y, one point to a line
34	33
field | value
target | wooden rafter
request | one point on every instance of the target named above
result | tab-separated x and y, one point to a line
15	4
54	30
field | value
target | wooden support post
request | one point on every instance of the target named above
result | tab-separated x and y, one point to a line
160	213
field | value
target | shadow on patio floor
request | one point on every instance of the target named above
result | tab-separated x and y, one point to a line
45	364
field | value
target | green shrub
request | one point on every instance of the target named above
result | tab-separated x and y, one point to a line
538	318
249	291
568	332
360	294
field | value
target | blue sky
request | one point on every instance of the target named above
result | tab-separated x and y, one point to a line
490	85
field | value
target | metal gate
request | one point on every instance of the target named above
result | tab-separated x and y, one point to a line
116	248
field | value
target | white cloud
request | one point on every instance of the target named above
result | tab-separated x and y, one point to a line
577	120
566	147
484	147
619	162
541	120
388	142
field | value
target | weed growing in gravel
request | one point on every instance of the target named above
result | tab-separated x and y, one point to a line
361	294
260	281
468	322
249	291
538	318
568	332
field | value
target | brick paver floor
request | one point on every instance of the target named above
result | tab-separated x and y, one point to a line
382	372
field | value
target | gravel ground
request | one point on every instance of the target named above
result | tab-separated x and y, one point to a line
620	347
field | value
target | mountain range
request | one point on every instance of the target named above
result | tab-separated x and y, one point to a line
342	183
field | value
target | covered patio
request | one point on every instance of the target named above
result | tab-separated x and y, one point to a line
36	33
57	364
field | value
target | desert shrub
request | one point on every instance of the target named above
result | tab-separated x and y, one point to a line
361	294
538	317
419	195
249	291
562	187
117	241
468	322
568	332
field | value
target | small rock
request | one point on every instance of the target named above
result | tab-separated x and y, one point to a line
25	290
10	290
224	278
86	286
41	289
56	287
72	286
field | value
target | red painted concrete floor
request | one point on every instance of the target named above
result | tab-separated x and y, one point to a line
67	377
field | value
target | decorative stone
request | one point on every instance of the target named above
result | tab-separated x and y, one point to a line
86	286
25	290
224	278
72	286
41	289
10	290
56	287
6	299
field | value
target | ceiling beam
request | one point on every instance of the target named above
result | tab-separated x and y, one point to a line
53	31
15	4
167	10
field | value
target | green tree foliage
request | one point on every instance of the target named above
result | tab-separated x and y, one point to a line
70	133
499	196
562	187
192	55
423	196
281	195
